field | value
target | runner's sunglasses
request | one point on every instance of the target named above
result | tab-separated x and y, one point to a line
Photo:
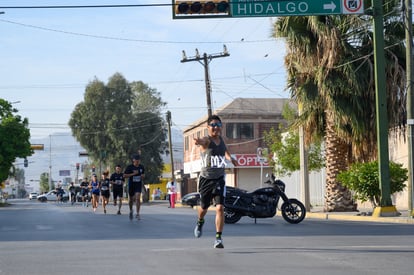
218	124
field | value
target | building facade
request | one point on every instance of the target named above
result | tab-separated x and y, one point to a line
244	122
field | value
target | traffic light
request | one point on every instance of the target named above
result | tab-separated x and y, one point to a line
201	9
83	154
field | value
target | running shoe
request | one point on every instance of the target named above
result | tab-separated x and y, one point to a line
131	216
138	216
198	230
105	211
118	213
218	243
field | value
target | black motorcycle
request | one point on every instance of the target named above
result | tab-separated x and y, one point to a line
262	203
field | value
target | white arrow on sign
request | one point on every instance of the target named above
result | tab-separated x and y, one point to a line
331	6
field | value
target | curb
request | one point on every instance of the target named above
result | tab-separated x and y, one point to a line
343	216
349	217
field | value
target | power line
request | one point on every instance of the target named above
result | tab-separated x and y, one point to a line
133	39
83	85
87	6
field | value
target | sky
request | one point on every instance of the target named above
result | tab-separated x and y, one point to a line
49	55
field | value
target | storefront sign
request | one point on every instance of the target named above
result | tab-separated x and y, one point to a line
249	160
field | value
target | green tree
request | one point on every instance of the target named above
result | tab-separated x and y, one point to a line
44	182
363	179
14	138
284	143
331	76
119	119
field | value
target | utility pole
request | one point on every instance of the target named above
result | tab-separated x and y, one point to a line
170	145
386	208
50	163
304	171
410	107
77	173
205	60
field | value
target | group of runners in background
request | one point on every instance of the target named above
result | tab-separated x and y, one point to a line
100	189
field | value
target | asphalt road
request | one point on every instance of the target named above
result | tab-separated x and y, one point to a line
46	238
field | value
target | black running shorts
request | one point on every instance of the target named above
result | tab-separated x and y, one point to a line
135	187
105	194
211	189
118	191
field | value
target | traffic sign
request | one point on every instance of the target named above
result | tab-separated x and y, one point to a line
269	8
37	146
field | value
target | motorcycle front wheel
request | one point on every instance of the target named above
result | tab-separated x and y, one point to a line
293	211
230	216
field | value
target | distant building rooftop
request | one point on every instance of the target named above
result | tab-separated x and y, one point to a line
240	107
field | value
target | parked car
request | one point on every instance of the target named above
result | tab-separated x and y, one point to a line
33	195
191	199
51	196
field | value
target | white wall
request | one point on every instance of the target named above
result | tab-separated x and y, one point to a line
249	178
316	187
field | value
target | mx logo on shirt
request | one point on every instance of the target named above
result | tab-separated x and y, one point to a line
214	161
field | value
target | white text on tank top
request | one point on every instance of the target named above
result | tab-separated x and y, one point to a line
213	160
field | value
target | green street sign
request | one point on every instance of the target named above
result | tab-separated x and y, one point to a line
269	8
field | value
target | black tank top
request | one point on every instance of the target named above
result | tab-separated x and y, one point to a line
213	160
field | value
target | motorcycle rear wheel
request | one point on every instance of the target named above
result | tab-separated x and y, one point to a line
230	216
293	211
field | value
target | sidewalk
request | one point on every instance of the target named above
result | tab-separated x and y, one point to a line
360	215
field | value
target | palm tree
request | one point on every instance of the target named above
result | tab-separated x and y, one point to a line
331	76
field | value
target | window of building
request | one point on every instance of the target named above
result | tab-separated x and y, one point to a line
240	130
